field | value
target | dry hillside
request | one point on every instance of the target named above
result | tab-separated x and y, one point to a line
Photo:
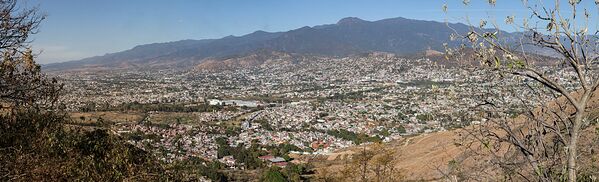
431	157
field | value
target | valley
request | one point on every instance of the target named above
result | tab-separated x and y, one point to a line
317	106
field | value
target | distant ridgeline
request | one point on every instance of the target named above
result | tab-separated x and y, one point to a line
350	36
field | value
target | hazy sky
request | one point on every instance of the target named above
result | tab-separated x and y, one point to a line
77	29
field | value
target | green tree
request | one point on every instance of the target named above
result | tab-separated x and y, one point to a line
23	88
273	175
36	144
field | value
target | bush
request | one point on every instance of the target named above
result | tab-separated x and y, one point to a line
273	175
354	137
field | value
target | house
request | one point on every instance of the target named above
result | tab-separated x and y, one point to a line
266	157
239	103
277	161
228	160
214	102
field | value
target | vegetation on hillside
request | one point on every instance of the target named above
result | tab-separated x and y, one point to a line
377	163
37	143
354	137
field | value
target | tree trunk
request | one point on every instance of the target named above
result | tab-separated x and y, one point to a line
364	164
572	146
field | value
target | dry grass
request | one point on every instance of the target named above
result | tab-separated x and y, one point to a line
115	117
173	117
427	157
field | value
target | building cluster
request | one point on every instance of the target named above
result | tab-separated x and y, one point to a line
298	103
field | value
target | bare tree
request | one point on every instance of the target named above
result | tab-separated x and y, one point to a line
376	163
546	138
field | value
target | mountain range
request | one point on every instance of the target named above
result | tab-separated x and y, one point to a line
349	36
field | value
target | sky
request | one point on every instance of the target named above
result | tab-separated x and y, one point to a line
76	29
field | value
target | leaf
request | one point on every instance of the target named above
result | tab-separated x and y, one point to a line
509	20
486	145
492	2
519	64
550	26
483	23
491	35
472	37
466	2
444	8
497	62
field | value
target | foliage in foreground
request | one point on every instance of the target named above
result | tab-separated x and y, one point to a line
292	172
38	147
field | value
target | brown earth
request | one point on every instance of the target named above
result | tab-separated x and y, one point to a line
427	157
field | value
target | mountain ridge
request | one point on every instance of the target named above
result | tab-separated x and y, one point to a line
349	36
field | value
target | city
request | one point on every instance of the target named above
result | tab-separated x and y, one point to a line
293	91
318	105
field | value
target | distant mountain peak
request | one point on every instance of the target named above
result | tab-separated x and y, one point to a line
398	19
350	36
304	28
350	20
259	32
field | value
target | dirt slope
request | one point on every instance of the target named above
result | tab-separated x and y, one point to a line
426	157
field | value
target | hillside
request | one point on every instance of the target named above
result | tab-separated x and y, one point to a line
436	156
